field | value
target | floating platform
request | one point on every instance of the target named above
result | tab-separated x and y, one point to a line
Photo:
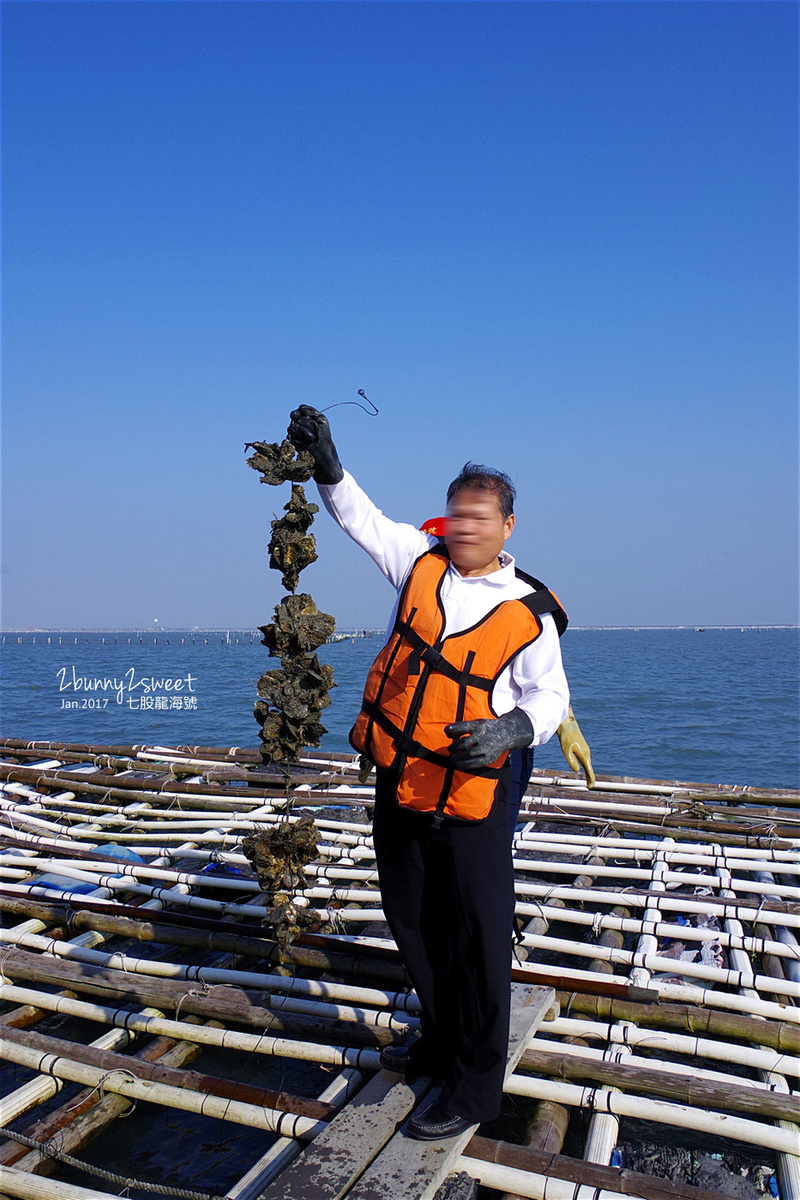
655	1047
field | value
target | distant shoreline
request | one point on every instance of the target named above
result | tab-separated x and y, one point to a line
381	630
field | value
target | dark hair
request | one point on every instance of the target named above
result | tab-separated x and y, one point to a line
475	475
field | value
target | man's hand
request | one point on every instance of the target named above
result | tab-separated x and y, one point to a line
309	430
575	748
476	744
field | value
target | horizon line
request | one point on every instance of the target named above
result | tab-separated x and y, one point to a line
354	629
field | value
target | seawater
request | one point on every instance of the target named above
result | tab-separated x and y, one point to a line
717	705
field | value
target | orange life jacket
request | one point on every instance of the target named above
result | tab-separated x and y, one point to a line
422	681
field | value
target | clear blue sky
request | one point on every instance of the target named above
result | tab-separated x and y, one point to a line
560	238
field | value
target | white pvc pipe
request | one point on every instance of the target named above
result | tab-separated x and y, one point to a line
658	963
158	1026
37	1187
133	1088
285	1149
43	1087
674	1043
659	929
529	1184
604	1127
683	904
788	1164
683	1116
216	976
615	1054
578	843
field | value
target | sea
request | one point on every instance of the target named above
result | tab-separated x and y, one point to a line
703	705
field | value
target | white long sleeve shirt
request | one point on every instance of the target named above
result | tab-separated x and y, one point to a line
534	680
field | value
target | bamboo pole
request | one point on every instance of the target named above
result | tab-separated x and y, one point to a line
213	1034
628	1034
120	1080
36	1091
284	1015
592	1176
694	1091
366	999
781	1036
580	1046
167	931
85	1116
622	1104
19	1040
31	1187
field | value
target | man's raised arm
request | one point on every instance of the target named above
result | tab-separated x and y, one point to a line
394	547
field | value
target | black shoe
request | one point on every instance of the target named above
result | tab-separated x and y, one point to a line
435	1122
402	1058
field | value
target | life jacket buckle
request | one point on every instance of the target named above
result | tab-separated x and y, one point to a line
433	658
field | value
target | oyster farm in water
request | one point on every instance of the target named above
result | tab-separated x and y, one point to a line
198	979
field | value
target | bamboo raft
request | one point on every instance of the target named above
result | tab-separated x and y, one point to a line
656	1000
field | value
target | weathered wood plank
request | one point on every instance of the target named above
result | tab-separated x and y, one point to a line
415	1169
329	1166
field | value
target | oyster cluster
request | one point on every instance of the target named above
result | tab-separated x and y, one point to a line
278	857
291	698
292	548
279	462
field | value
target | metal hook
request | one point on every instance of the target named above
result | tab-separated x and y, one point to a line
361	393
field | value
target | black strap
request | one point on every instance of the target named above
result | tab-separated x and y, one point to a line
451	770
543	601
410	747
424	652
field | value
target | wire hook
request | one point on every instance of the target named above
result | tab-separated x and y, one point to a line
364	396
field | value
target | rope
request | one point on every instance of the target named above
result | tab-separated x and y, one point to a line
109	1176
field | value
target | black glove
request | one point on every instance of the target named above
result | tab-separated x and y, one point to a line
309	430
478	743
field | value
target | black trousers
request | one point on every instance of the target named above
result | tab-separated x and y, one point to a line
448	896
521	764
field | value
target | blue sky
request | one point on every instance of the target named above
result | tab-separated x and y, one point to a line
560	238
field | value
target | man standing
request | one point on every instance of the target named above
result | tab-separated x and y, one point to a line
472	669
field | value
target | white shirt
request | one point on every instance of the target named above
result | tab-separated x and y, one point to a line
534	680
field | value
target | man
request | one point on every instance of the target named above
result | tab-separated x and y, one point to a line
472	669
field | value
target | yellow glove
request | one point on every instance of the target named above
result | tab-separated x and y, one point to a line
575	748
